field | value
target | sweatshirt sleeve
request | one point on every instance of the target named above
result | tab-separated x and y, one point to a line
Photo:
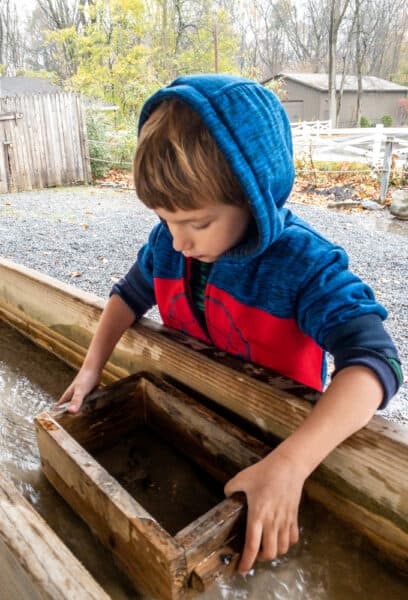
364	341
341	314
136	287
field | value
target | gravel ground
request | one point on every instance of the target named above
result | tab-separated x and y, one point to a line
89	237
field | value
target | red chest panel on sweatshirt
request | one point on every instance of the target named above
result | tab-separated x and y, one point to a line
250	333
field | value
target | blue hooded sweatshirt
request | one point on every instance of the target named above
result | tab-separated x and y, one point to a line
284	295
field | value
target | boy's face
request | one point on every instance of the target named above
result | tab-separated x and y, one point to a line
206	233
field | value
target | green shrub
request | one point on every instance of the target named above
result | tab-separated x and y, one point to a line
365	122
386	120
111	145
97	143
124	145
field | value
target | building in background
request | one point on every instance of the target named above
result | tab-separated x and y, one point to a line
307	98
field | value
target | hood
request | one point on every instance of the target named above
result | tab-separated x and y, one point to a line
252	130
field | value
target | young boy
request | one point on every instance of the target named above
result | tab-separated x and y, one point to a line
228	264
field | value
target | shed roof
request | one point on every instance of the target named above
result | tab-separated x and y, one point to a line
16	86
19	86
320	81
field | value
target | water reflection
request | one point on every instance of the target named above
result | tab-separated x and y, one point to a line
386	222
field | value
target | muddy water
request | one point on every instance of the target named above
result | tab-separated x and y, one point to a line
329	563
137	463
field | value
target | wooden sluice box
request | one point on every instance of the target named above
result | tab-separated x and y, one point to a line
159	563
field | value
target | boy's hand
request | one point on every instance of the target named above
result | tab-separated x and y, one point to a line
273	488
85	381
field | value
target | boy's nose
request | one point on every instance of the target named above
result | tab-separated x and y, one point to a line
181	243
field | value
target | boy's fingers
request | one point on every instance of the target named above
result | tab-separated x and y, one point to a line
269	548
66	396
253	537
230	488
283	540
294	533
75	404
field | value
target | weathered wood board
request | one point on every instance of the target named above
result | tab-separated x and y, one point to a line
34	563
159	564
43	141
364	481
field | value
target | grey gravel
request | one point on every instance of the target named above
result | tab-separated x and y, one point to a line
89	237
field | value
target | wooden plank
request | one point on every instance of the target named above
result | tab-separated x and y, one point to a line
42	143
78	175
24	146
37	181
10	116
32	116
66	124
62	134
32	173
218	446
390	545
143	549
107	414
3	174
9	153
369	470
222	562
3	161
212	531
47	140
34	563
86	162
51	130
56	139
14	159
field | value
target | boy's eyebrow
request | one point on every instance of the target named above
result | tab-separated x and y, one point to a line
190	220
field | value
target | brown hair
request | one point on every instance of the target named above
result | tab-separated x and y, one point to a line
178	165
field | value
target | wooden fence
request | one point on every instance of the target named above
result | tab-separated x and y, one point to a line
367	145
43	142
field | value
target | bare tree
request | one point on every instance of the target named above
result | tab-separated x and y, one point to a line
361	47
11	38
61	14
384	26
337	10
50	16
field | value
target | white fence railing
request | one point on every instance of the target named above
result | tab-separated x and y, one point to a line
367	145
381	148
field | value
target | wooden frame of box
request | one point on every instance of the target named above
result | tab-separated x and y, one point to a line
156	562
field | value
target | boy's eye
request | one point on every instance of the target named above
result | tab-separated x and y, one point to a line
201	225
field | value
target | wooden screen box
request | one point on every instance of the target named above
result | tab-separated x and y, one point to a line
159	563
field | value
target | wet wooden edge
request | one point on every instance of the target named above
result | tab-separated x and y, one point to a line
221	562
368	470
34	563
143	549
